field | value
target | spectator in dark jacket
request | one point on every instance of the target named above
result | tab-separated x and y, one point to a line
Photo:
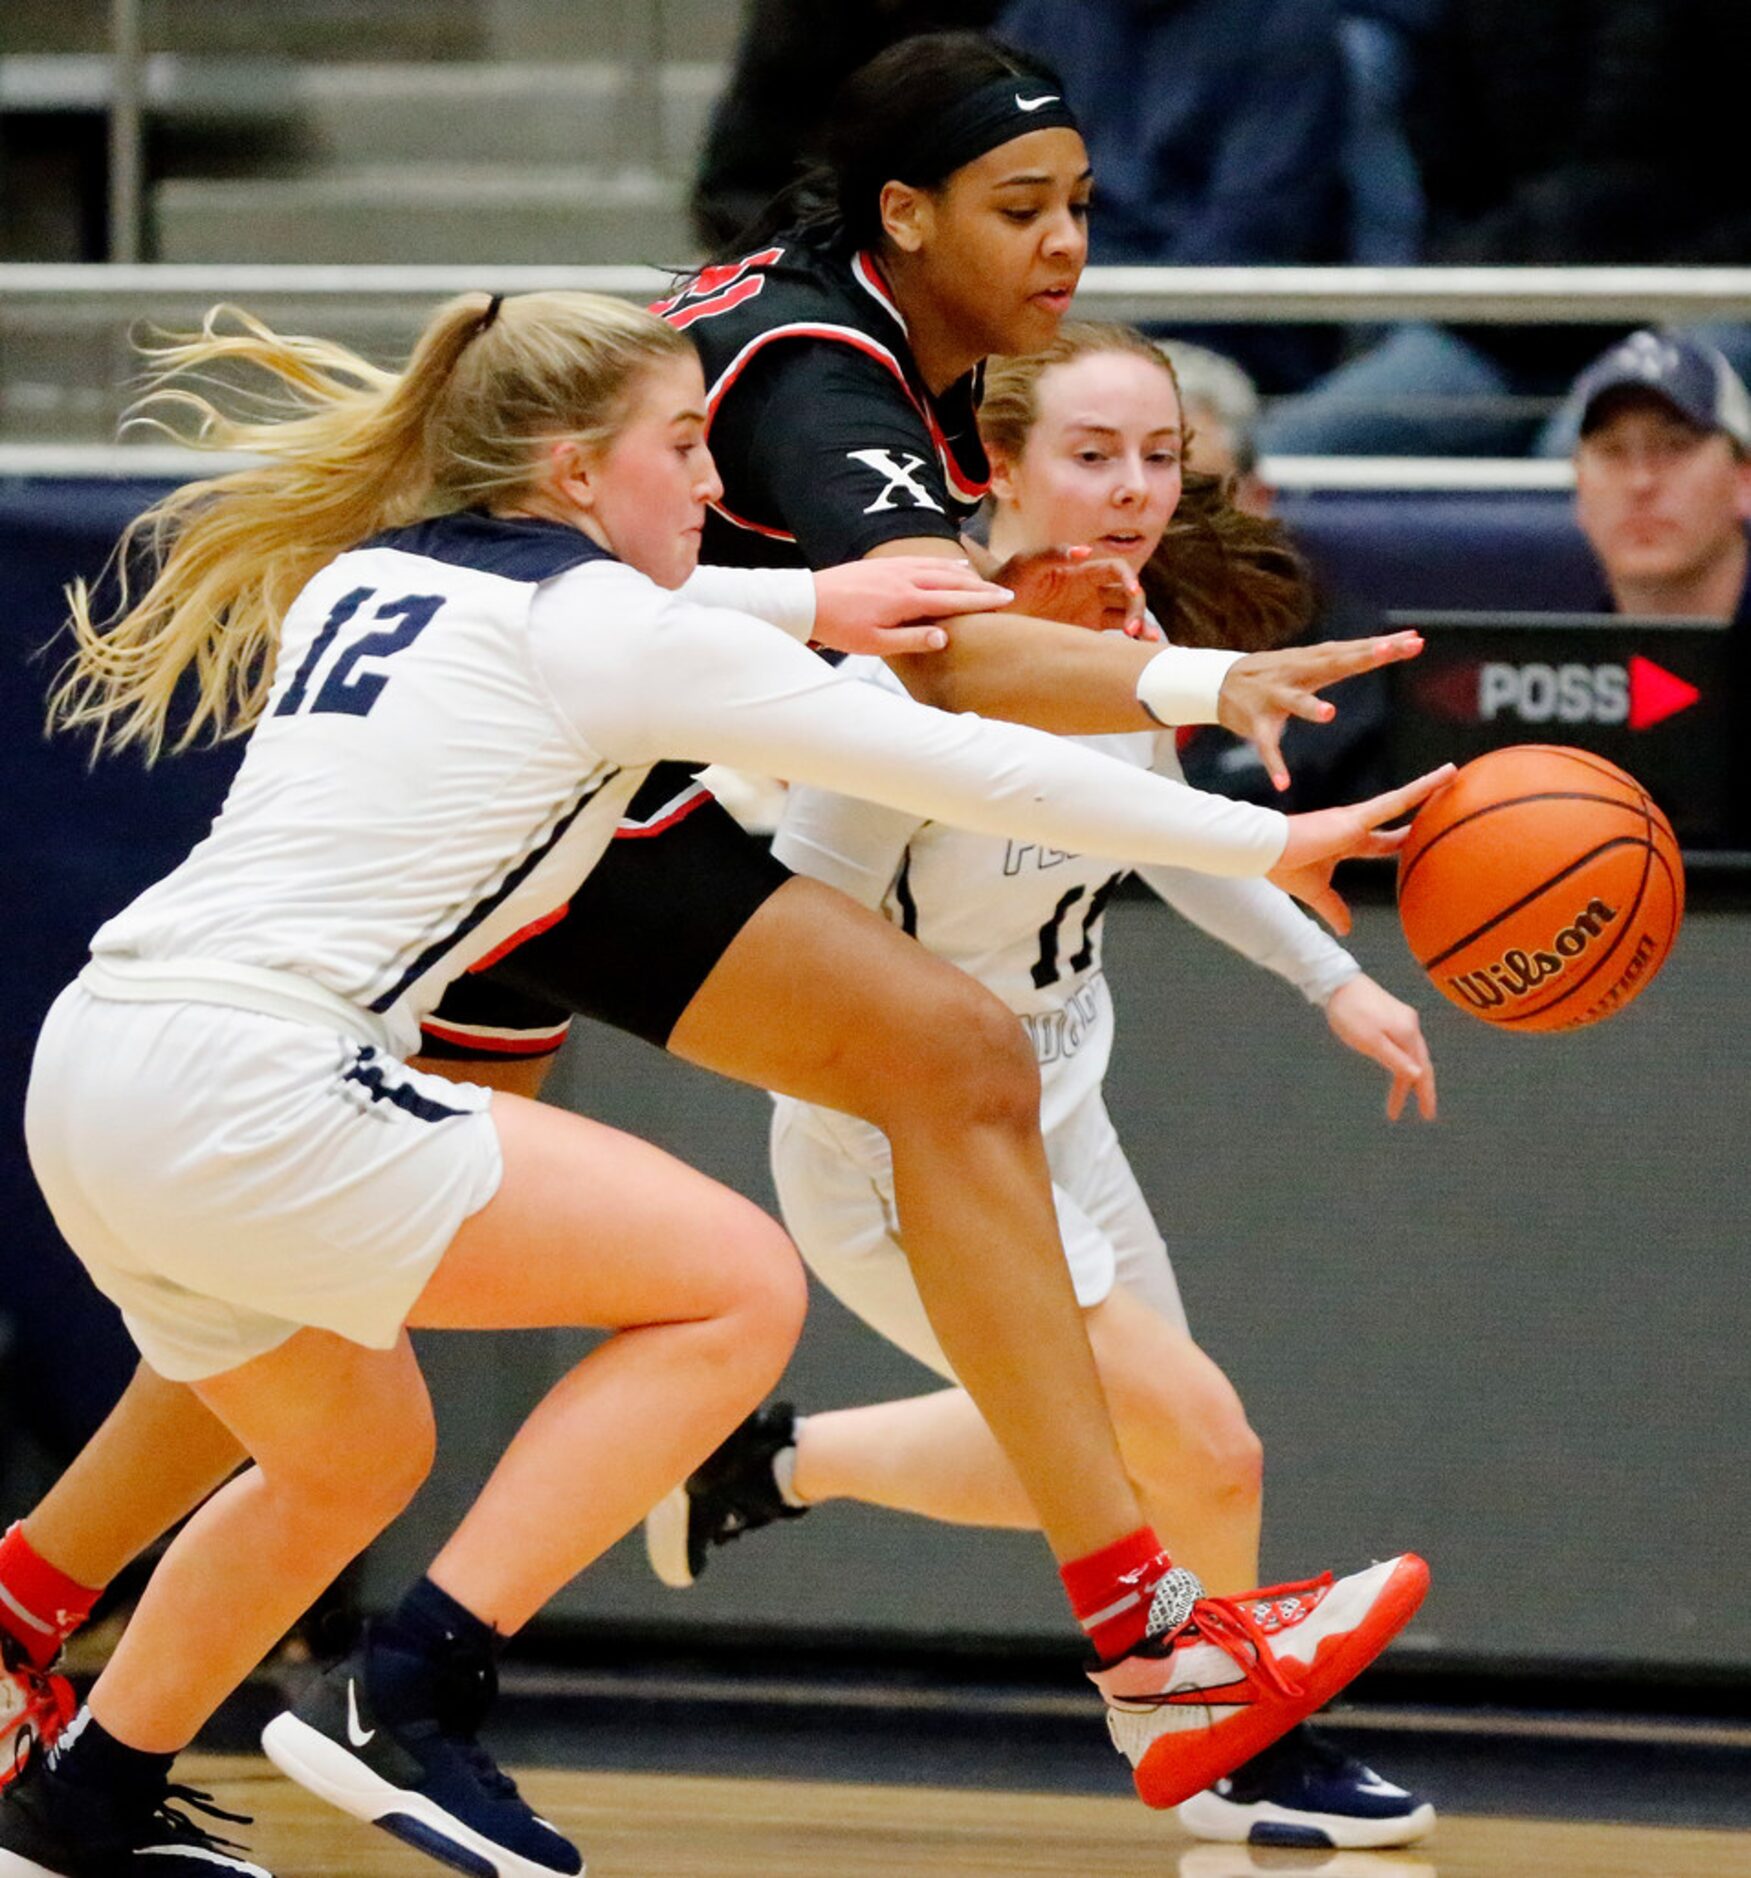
1566	133
1380	40
1214	129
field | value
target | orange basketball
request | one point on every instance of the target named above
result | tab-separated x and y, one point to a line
1540	889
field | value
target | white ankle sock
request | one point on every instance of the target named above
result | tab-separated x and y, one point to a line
784	1468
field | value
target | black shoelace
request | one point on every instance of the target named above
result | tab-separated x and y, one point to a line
465	1687
180	1830
486	1770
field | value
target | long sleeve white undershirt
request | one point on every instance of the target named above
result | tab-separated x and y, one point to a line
642	674
782	596
1252	917
858	847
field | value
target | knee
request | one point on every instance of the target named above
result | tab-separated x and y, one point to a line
970	1061
1204	1446
772	1299
400	1461
410	1466
1232	1460
357	1487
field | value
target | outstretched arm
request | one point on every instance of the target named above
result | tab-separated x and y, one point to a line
1079	683
825	444
674	680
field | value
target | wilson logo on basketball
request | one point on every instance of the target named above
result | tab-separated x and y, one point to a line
1516	972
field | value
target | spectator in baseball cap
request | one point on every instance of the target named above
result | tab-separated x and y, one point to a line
1663	495
1663	476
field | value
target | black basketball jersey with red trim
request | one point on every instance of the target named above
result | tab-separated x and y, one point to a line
829	443
826	436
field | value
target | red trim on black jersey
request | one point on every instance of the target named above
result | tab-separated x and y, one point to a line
484	1041
712	280
958	480
720	303
753	528
516	939
866	270
722	288
964	486
804	329
676	809
801	329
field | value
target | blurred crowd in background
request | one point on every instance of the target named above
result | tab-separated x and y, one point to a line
1310	132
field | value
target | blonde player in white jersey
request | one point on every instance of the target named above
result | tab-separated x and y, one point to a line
447	605
1087	442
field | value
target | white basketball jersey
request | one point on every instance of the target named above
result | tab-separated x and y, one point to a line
462	709
1025	918
1022	918
411	798
1026	921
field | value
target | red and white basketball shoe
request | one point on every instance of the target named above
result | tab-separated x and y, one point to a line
34	1708
1218	1679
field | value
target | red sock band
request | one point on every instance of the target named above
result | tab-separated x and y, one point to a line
40	1607
1109	1589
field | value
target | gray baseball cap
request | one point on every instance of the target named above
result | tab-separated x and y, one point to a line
1693	378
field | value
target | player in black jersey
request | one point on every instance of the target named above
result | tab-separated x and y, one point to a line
842	357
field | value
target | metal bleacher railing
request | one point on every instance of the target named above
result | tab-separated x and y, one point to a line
86	313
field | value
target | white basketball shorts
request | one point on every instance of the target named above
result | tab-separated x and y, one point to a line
836	1192
229	1177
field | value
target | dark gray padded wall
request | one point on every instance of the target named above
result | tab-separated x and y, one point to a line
1519	1341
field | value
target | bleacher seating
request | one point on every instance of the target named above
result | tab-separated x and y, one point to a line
1519	551
546	131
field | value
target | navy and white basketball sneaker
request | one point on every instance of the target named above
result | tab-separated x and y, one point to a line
1304	1791
738	1490
51	1827
391	1739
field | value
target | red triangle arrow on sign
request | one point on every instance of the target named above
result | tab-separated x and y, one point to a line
1655	693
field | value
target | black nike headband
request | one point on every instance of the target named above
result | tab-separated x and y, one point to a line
984	120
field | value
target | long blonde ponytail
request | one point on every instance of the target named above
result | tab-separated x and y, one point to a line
353	449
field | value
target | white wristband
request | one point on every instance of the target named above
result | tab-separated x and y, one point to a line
1181	684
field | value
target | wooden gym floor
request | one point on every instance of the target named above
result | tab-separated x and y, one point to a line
677	1826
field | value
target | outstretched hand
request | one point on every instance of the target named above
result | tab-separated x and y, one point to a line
883	605
1317	842
1077	586
1368	1019
1262	691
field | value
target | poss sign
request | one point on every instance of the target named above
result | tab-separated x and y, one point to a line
1640	693
1651	695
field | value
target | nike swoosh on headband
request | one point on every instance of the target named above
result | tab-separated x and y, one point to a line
1035	104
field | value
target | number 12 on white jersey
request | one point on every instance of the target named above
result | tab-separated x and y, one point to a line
344	690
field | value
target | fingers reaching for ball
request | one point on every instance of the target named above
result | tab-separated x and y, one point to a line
1368	1019
1404	799
1329	835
